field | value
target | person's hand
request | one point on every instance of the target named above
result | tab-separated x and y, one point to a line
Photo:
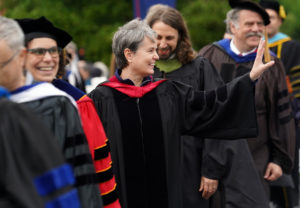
259	67
208	187
273	172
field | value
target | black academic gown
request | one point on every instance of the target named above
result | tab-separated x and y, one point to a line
276	139
288	51
145	128
212	158
69	133
201	75
62	118
33	171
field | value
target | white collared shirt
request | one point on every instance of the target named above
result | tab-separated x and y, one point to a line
237	52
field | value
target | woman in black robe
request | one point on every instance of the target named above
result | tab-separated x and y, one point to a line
144	118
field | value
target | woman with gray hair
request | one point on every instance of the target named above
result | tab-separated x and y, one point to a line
144	118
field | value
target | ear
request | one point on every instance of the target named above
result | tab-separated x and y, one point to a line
232	28
280	21
128	55
22	56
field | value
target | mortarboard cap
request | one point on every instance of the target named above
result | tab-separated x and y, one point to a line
275	6
42	27
249	5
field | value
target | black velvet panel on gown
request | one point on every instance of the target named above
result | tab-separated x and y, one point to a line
143	148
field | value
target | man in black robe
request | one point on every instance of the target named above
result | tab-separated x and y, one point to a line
205	161
286	190
272	150
33	173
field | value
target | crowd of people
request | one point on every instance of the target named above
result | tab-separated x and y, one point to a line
171	127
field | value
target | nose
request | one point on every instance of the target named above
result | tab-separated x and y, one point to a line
163	43
155	57
255	27
47	57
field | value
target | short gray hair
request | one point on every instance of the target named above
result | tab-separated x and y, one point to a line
130	36
11	33
232	17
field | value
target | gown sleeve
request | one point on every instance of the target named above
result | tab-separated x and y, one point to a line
31	162
227	112
281	126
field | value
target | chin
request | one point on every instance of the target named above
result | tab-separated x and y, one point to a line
254	40
45	79
163	57
253	44
149	73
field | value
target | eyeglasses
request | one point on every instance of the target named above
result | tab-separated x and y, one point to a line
40	52
2	65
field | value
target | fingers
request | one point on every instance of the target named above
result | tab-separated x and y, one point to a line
273	172
208	187
259	68
260	49
267	173
269	64
205	191
273	176
208	191
201	186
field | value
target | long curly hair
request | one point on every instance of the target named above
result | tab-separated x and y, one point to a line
170	16
63	61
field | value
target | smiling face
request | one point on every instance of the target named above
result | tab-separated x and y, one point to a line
275	22
249	30
141	63
43	68
167	39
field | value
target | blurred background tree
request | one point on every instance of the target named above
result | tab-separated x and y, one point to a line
205	20
92	23
291	25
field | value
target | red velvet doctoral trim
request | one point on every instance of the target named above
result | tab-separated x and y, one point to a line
96	137
130	90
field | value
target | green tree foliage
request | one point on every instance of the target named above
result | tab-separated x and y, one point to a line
205	20
291	24
92	23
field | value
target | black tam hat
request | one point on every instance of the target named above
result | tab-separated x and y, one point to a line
275	6
42	27
249	5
